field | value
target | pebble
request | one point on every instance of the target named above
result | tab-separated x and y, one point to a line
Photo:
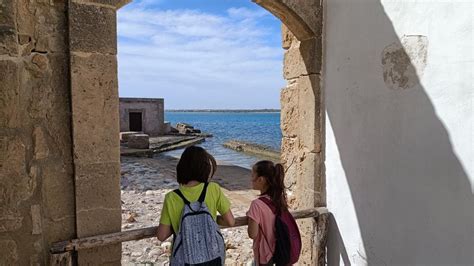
136	254
154	253
127	226
166	245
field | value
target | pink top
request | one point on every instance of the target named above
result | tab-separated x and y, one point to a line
263	215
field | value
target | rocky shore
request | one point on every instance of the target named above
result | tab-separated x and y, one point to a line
253	149
144	183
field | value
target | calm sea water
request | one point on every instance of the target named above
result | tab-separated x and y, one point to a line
261	128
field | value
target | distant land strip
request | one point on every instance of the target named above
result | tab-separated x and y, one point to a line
224	110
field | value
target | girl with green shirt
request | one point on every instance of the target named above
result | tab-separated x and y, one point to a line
195	168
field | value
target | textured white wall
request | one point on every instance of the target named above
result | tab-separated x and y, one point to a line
399	132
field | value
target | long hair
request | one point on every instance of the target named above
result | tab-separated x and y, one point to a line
274	174
196	164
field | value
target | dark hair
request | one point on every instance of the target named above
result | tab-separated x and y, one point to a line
196	164
274	175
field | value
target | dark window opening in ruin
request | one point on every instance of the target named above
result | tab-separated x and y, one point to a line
135	121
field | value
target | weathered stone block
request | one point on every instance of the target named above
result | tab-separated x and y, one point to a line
303	59
308	184
307	230
93	29
288	38
289	155
8	41
310	120
112	3
285	11
98	209
139	141
59	229
289	111
51	36
124	136
9	94
41	149
8	252
7	13
10	221
98	189
8	32
95	106
310	12
110	256
58	192
26	19
57	106
36	219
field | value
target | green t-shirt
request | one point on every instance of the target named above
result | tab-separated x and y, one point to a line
173	206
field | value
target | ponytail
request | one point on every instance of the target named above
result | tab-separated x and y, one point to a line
275	177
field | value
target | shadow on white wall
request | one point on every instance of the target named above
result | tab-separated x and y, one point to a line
411	195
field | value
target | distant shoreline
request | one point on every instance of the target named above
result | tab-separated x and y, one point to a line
225	111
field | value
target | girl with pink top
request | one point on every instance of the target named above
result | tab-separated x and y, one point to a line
269	179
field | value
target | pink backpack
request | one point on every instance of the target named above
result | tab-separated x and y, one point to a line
287	234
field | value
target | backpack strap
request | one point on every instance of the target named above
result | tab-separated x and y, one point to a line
180	194
269	204
202	197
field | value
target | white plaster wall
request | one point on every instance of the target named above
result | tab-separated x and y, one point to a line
400	157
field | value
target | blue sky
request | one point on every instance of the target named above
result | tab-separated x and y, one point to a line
200	54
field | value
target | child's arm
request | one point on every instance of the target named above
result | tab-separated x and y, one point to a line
164	231
223	207
252	228
254	218
226	220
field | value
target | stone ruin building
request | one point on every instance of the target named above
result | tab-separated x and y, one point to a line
376	118
145	115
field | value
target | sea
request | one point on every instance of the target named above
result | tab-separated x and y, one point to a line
256	127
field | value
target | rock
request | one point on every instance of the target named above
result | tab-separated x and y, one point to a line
124	136
131	217
149	193
166	246
136	254
184	128
127	226
146	250
154	253
139	141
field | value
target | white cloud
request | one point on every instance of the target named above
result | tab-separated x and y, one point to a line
199	60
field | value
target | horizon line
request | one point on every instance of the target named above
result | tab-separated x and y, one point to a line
226	110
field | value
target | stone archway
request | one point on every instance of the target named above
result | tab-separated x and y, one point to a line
302	114
59	146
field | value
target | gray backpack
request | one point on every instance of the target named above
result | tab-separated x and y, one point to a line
199	240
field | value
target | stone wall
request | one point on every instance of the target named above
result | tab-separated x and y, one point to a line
37	205
95	120
153	114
